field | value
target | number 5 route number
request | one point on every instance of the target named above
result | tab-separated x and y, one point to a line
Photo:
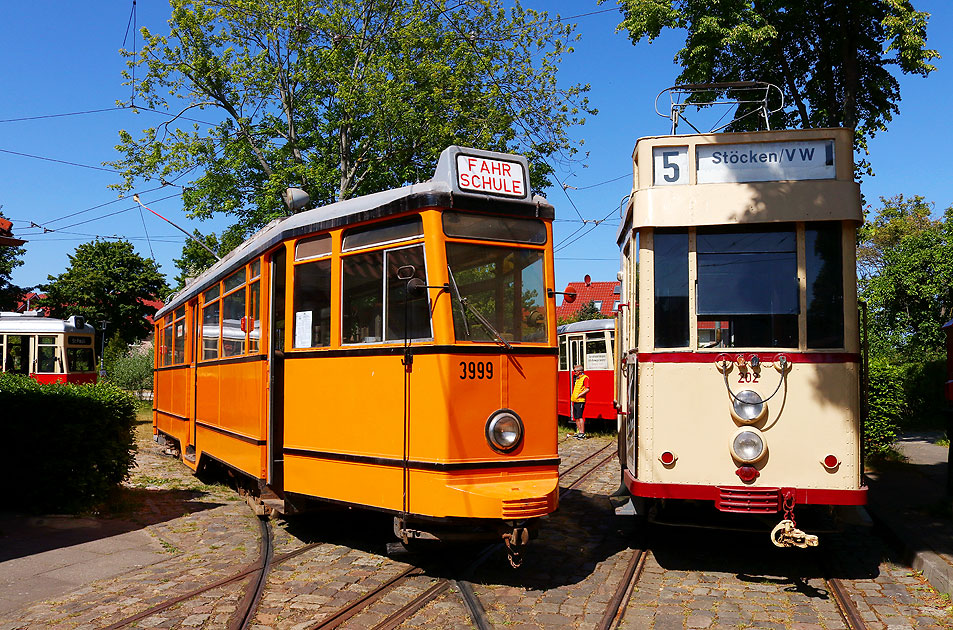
670	165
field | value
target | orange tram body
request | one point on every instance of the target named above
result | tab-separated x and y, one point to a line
395	351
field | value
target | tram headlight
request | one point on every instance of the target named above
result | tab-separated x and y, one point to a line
747	446
504	430
747	407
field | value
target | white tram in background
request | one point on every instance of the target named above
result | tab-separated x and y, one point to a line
46	349
740	372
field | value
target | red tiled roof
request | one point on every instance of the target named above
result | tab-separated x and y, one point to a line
605	292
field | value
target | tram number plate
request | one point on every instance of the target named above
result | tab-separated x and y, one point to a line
476	370
747	377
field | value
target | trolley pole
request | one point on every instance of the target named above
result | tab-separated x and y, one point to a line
102	346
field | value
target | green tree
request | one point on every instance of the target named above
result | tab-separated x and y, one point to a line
342	97
133	372
832	60
587	312
196	259
107	280
11	257
905	260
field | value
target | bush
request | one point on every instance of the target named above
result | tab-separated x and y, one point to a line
923	383
71	443
133	372
886	406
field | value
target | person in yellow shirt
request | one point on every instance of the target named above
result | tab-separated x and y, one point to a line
580	387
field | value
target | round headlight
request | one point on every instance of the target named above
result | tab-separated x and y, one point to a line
747	446
504	431
747	407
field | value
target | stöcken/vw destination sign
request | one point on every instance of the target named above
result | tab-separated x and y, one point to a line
765	161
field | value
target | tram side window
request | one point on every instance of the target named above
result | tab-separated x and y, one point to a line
46	354
233	311
408	317
312	304
671	289
365	318
504	285
747	286
825	285
563	354
167	342
254	316
178	352
211	329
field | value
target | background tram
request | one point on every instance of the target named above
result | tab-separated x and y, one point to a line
589	343
741	378
395	351
48	350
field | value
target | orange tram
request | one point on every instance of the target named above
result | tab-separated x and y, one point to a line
741	372
395	351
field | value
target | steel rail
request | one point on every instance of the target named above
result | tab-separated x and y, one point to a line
208	587
246	609
348	611
623	592
402	614
845	605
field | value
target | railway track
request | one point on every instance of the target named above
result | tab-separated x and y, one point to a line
256	575
462	584
257	571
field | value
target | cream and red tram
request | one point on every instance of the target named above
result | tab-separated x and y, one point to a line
47	349
741	369
395	351
591	344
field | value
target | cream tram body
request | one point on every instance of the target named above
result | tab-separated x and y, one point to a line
742	247
302	361
47	349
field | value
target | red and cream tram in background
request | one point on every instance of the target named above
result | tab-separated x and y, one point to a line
591	344
395	351
48	350
740	375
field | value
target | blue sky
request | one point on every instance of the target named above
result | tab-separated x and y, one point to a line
62	57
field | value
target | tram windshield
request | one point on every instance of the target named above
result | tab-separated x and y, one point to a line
747	287
505	286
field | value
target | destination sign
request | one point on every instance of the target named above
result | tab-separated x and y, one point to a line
765	161
493	177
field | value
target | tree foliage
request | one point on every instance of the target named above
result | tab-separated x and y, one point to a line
10	259
832	60
196	259
341	97
107	280
905	260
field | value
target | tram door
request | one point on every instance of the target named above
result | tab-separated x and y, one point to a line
276	372
577	354
16	358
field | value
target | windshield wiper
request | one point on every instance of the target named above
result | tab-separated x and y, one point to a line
479	316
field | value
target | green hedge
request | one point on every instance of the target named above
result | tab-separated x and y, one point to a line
886	405
68	445
904	396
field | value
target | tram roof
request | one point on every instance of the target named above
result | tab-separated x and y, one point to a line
440	191
588	325
33	322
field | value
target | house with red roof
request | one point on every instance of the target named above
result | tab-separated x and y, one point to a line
605	296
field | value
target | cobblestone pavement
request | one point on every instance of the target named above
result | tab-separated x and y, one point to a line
693	579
